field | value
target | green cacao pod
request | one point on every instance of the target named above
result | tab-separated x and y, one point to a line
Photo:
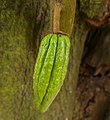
50	69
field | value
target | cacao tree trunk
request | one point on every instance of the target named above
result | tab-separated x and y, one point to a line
23	24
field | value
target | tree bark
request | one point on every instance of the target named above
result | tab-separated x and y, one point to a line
23	24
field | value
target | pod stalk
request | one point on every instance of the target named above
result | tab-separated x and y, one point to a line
56	19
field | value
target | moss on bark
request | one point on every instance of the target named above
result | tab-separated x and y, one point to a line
92	8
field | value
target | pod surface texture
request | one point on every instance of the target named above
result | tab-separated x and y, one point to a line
50	69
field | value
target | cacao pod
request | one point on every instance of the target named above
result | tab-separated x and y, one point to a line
50	69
